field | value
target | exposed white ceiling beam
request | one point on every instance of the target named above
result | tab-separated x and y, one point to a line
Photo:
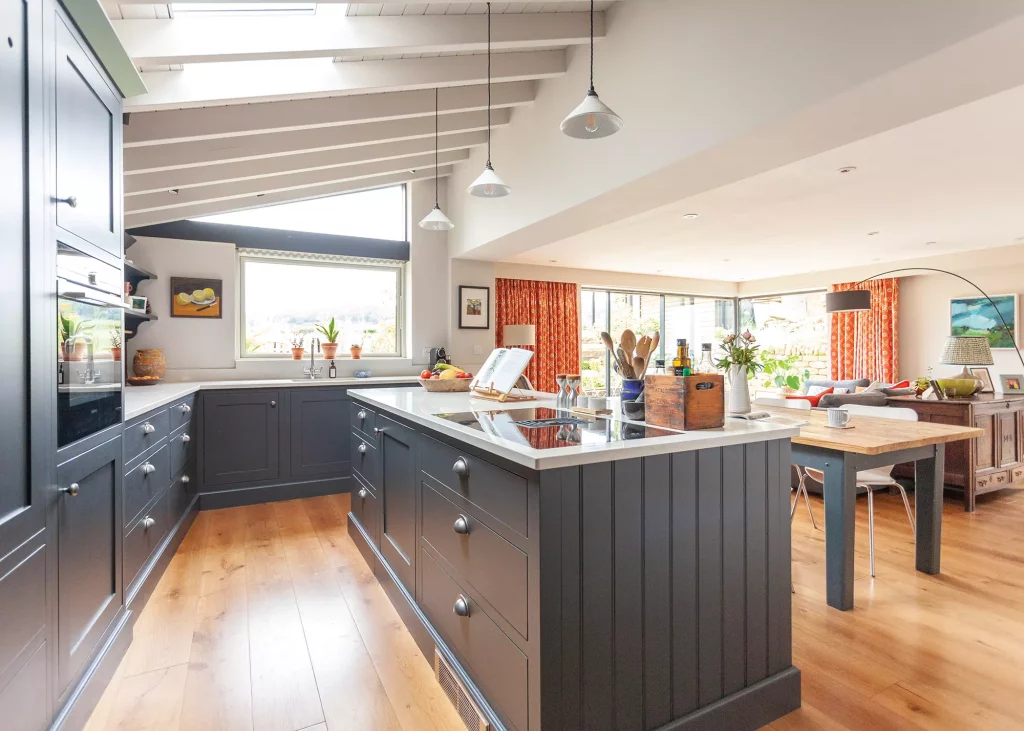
211	152
393	3
265	166
330	33
180	125
237	204
290	181
247	81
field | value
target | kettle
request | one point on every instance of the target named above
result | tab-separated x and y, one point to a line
438	355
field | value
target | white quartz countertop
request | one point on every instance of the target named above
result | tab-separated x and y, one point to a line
139	400
419	407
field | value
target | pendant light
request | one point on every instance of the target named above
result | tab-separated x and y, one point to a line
593	118
489	185
436	220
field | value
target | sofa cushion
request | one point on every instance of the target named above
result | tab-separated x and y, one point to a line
851	384
866	398
815	399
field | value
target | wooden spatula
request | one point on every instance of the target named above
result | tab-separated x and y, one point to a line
628	342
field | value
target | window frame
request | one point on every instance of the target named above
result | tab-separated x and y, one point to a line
339	262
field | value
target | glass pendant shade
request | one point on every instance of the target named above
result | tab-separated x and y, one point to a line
436	221
591	119
489	185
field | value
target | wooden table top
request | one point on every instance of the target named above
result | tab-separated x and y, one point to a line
870	435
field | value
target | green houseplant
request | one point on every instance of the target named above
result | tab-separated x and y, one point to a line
330	333
72	327
115	342
781	373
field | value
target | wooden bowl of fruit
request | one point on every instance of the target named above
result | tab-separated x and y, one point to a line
446	379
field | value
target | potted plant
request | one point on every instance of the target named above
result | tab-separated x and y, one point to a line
115	342
297	349
71	327
782	374
330	332
742	362
356	351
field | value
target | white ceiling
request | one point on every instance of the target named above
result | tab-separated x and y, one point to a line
947	183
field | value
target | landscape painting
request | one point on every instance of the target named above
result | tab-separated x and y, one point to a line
977	317
196	297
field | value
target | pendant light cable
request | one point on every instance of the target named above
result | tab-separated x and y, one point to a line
592	45
436	133
488	84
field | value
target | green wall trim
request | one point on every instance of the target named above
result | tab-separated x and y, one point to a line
94	25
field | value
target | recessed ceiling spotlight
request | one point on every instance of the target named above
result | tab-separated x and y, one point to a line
173	191
552	261
873	233
689	215
726	260
260	195
847	169
876	259
929	243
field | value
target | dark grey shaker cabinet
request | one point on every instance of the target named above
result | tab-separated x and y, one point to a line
319	432
241	431
87	117
398	455
89	553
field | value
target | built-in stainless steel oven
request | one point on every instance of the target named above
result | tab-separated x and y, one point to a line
90	375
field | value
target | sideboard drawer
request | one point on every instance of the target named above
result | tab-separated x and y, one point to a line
496	491
490	657
1018	474
993	480
363	419
482	558
145	481
143	433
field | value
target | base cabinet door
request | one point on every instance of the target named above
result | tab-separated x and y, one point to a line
319	432
89	552
398	463
241	437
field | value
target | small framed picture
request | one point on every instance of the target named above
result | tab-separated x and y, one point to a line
196	297
985	377
1012	384
474	308
138	303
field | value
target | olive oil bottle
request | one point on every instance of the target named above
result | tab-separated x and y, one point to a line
681	364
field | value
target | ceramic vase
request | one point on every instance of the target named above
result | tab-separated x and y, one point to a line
739	390
149	362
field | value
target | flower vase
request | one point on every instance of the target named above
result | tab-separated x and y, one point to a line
739	390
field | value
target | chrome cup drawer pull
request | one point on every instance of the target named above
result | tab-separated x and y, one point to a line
361	449
148	428
186	409
185	479
461	607
461	467
362	493
185	438
461	525
148	522
148	469
361	415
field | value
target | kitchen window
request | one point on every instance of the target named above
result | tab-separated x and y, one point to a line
285	295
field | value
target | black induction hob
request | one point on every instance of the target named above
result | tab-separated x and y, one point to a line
544	428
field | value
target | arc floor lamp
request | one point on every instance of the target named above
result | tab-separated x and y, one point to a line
859	300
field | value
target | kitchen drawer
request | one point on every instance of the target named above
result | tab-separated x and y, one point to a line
492	489
181	412
488	655
993	480
365	507
144	481
180	495
181	450
365	458
1017	474
143	433
363	419
482	559
147	531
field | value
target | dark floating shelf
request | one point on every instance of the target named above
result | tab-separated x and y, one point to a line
132	320
139	315
135	274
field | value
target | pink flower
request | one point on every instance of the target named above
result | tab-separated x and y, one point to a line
748	336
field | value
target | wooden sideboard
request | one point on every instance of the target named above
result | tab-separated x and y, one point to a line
992	462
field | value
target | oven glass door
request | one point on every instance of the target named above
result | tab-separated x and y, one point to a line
90	373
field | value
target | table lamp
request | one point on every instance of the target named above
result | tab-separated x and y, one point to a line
965	351
519	335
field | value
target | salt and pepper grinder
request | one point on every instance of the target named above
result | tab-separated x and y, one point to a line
562	380
574	391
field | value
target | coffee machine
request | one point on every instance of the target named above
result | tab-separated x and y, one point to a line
438	355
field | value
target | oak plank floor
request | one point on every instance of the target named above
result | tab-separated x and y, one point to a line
268	618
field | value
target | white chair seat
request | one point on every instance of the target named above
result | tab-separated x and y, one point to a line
878	476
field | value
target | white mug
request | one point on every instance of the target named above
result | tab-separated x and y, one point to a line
838	417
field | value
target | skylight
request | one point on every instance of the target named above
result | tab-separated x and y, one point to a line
247	9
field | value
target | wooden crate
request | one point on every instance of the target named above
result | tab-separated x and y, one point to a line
685	402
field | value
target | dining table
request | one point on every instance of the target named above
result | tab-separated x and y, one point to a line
869	442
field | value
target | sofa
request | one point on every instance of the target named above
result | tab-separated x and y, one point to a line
876	397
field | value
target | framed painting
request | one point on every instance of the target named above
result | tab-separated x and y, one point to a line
1012	384
979	317
474	307
983	375
196	297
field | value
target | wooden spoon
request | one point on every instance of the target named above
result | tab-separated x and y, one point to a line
655	342
628	342
639	366
643	346
625	364
607	340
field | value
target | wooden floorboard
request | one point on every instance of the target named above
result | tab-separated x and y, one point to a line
268	618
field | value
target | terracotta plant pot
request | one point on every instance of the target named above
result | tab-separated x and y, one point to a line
356	353
149	362
297	353
329	350
77	352
115	353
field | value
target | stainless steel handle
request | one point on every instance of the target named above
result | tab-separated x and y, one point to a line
186	438
148	522
361	448
186	409
185	479
148	469
461	525
71	200
72	489
361	415
273	404
362	493
461	467
148	428
461	606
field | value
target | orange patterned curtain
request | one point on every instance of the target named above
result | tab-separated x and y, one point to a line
553	308
866	344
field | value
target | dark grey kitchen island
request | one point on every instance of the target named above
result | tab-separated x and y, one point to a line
597	576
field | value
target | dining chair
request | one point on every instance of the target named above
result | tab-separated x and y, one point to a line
795	405
879	477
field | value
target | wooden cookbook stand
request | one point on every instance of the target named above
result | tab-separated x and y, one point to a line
490	394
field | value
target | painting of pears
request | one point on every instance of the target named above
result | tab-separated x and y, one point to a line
196	297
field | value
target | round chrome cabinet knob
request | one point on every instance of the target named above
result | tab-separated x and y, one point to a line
72	489
461	525
461	607
185	479
148	428
361	449
186	438
362	493
273	404
461	467
148	522
186	409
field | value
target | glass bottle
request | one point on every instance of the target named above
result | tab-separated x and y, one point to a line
332	372
681	364
705	364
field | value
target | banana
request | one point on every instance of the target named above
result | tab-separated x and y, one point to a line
448	367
